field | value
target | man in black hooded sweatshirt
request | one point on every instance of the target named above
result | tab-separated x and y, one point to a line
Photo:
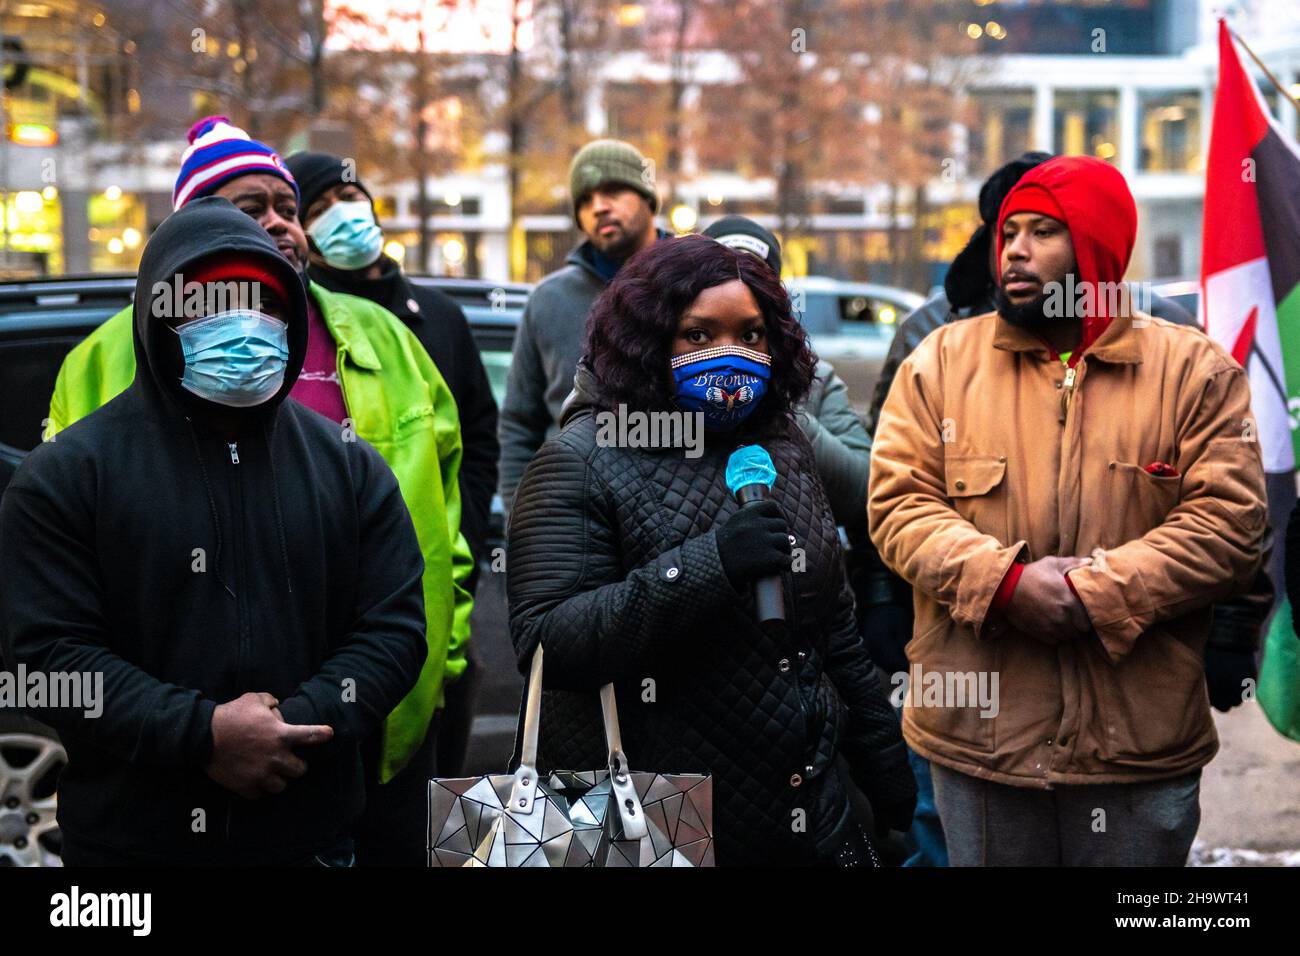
245	579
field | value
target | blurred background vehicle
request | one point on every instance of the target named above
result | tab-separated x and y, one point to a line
851	325
1185	292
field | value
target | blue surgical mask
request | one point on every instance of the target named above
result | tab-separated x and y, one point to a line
236	358
725	383
347	236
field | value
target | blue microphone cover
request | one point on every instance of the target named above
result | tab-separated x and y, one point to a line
750	465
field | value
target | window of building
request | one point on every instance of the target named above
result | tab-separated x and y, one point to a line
1075	26
635	112
31	243
843	206
717	109
1170	130
1086	123
117	224
1001	128
545	252
1168	255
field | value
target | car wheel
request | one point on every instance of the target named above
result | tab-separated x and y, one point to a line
31	759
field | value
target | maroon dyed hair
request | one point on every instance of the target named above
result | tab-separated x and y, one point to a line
632	325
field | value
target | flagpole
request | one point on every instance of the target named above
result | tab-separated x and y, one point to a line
1273	79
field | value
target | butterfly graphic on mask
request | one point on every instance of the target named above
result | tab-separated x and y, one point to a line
742	395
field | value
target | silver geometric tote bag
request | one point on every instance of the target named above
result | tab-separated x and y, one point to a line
608	817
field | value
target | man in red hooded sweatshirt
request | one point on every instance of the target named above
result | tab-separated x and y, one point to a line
1068	484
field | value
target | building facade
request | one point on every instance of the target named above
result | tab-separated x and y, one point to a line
1129	81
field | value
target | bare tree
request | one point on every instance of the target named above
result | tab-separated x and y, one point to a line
542	112
263	64
846	94
389	87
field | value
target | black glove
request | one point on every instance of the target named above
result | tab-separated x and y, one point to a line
753	543
890	785
1225	671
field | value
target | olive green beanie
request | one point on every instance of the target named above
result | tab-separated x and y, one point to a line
607	161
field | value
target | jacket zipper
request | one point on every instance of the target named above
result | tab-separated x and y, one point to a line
1067	389
241	577
237	547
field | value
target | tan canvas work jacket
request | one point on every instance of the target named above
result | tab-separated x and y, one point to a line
989	450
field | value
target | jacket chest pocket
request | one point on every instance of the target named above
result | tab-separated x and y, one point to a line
977	487
1137	501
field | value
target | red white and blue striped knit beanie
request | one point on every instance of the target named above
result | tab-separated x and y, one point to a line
218	152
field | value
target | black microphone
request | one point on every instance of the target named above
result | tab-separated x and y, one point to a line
750	476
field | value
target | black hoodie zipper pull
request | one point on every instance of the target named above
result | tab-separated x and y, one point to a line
234	452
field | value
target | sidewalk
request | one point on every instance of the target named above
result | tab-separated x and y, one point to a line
1250	795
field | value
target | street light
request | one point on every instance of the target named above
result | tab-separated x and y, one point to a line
28	202
683	217
34	134
631	15
453	250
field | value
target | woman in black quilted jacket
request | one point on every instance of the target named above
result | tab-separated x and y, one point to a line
634	565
